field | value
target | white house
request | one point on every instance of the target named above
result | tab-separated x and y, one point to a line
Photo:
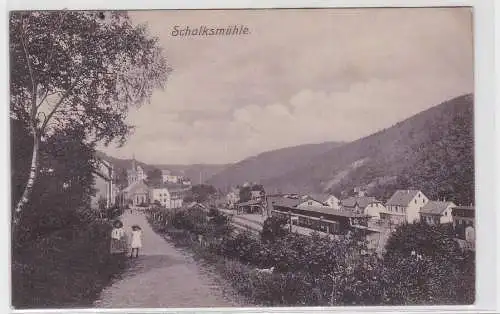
320	200
257	195
437	212
185	181
366	205
404	206
233	197
169	196
169	177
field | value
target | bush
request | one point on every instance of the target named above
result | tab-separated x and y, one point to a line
317	270
425	262
69	268
273	228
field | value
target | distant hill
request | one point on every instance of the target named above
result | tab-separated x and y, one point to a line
432	151
269	164
191	171
195	172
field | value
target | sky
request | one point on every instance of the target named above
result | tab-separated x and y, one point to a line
297	77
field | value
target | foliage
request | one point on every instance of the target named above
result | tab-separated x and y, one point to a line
60	257
201	193
54	53
318	270
258	187
102	202
273	228
121	179
425	276
67	269
66	180
155	176
423	239
78	71
245	194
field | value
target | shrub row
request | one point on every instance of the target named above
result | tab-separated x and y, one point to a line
66	268
320	271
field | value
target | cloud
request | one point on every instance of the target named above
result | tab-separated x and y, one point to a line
317	75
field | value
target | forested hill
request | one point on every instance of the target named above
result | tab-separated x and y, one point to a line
269	164
432	151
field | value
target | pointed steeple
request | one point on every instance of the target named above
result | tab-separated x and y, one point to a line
134	165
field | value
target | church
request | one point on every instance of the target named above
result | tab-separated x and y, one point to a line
141	192
136	173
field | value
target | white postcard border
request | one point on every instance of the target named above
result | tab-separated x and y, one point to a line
487	148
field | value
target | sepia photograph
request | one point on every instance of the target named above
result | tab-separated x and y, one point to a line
238	158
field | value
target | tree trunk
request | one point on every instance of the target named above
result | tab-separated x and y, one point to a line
28	189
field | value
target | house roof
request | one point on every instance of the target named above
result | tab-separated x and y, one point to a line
402	197
193	204
320	197
435	207
135	185
329	211
172	187
464	211
249	203
284	201
176	173
362	201
464	207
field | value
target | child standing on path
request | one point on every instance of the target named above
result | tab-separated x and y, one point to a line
118	239
136	242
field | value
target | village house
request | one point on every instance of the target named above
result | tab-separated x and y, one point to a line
251	207
404	206
321	200
168	176
185	181
366	205
233	197
436	212
319	218
168	195
360	191
257	195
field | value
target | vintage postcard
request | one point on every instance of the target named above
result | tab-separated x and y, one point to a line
242	158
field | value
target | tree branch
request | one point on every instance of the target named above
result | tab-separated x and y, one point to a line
47	94
63	97
32	78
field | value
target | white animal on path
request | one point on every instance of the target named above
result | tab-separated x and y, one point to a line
265	270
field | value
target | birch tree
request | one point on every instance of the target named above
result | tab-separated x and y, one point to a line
79	67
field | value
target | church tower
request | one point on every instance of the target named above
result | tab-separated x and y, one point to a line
132	172
134	164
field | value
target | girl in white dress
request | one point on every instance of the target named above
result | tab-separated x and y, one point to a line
136	242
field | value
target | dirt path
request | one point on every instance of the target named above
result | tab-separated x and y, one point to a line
161	277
